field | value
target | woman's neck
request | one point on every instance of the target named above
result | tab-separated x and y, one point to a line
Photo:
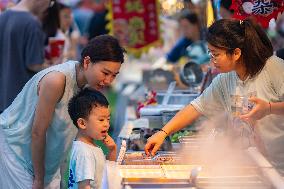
241	72
81	81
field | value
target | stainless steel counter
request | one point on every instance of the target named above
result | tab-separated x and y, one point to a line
194	167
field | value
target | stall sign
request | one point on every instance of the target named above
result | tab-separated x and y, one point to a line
262	10
135	23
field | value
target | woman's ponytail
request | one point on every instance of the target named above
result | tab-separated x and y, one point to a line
257	48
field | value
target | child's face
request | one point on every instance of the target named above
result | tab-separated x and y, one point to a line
97	125
66	19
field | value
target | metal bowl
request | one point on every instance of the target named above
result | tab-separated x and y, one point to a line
191	74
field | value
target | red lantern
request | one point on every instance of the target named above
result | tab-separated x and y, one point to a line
262	10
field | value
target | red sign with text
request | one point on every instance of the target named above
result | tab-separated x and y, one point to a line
262	10
135	23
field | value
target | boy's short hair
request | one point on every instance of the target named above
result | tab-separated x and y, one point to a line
81	104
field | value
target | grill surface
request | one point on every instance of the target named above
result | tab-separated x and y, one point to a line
173	169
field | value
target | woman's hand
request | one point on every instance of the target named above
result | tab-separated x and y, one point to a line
154	143
260	109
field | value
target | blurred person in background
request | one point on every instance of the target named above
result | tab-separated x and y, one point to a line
59	26
280	53
98	21
50	21
68	31
190	29
50	25
21	47
83	13
225	11
190	6
277	37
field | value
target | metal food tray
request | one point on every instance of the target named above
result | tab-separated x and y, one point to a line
140	158
177	98
177	176
157	183
150	173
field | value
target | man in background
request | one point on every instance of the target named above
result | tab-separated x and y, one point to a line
21	47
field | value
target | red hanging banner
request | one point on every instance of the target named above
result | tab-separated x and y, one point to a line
135	23
262	10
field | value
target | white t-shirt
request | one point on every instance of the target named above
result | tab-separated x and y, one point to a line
86	163
269	86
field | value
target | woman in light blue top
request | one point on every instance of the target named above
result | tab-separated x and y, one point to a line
36	130
243	54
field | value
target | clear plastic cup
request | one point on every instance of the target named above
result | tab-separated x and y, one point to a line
243	130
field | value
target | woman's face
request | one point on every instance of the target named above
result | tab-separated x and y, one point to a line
66	19
222	60
101	74
188	29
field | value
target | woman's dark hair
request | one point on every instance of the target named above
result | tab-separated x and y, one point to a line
247	35
50	21
103	48
62	6
81	104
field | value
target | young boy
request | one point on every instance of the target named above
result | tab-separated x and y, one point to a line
89	111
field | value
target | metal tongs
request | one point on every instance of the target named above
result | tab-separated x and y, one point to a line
151	157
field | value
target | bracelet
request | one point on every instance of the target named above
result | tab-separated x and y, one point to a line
164	131
269	107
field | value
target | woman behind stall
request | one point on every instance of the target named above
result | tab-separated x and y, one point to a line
36	131
190	29
243	54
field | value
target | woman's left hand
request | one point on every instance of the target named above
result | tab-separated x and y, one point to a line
260	109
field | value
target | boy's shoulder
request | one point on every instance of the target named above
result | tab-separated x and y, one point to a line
84	149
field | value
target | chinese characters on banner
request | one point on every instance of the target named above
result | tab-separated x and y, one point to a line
135	23
262	10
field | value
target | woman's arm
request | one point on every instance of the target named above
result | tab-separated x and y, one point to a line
50	91
277	108
183	118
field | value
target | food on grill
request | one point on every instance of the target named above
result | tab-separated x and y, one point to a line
175	137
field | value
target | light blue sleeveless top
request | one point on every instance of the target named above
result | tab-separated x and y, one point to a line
17	120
